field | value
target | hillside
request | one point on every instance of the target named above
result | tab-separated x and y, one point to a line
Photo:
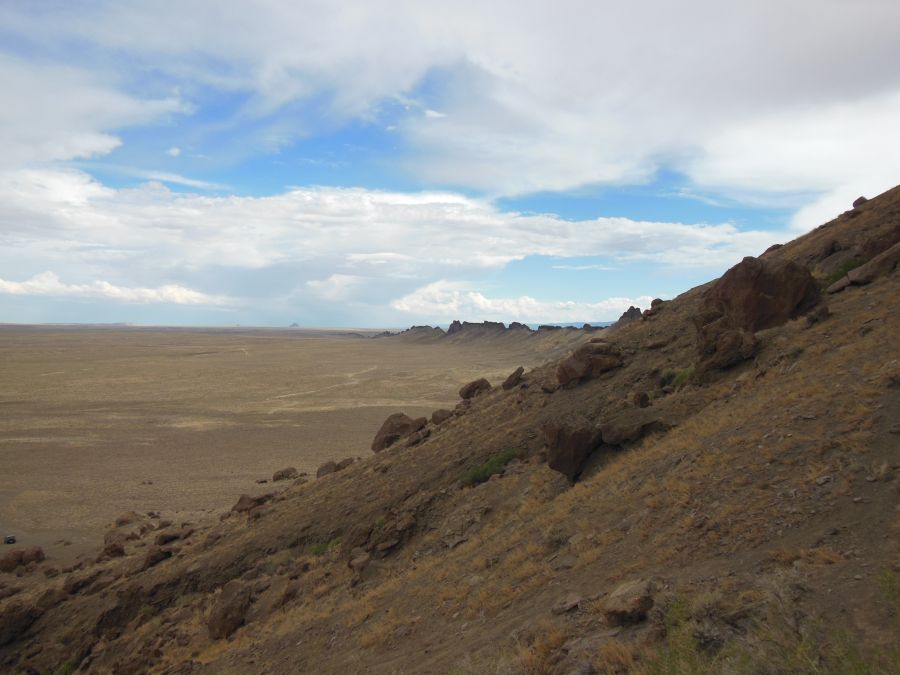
724	499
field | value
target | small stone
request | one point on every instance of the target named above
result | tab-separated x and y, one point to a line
567	604
822	480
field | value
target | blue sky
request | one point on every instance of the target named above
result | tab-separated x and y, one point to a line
387	164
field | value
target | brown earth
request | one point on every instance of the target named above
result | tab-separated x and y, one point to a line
742	521
97	421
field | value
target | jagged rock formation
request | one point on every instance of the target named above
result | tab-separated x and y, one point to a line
753	504
631	314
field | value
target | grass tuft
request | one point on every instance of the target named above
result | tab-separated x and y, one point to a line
495	464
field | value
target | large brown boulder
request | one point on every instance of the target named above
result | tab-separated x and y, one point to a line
229	612
394	428
514	378
569	445
440	416
760	293
21	556
589	360
474	388
290	473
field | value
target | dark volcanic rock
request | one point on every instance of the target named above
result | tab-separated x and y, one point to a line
325	469
454	327
21	556
589	360
569	445
394	428
15	619
859	201
762	293
515	325
228	614
246	502
474	388
440	416
514	378
289	473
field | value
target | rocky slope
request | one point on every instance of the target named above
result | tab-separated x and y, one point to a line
710	488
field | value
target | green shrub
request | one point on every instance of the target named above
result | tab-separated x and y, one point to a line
678	378
495	464
322	547
840	272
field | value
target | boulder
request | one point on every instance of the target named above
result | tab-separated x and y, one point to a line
418	437
440	416
110	551
515	325
514	378
881	265
474	388
859	201
629	425
289	473
156	555
760	293
629	603
344	463
589	360
228	614
325	469
394	428
569	445
246	502
21	556
641	399
721	346
566	603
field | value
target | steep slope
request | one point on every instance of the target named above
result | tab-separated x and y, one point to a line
741	483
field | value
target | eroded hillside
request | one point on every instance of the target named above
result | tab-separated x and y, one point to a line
734	453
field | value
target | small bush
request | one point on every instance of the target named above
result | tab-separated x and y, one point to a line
321	548
840	272
495	464
678	378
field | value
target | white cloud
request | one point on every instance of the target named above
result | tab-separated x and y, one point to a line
535	97
174	151
443	299
49	284
58	112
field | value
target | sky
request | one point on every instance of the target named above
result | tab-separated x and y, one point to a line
384	164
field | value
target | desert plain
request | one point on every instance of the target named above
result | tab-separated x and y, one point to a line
96	421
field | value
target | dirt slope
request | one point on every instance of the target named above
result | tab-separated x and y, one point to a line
752	509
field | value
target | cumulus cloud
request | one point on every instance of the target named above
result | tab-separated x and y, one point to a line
446	300
49	284
630	87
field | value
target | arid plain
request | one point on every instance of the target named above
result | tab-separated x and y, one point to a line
97	421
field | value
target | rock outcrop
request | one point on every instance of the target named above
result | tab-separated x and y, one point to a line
395	427
631	314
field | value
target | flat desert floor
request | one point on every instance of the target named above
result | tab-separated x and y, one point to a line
98	421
